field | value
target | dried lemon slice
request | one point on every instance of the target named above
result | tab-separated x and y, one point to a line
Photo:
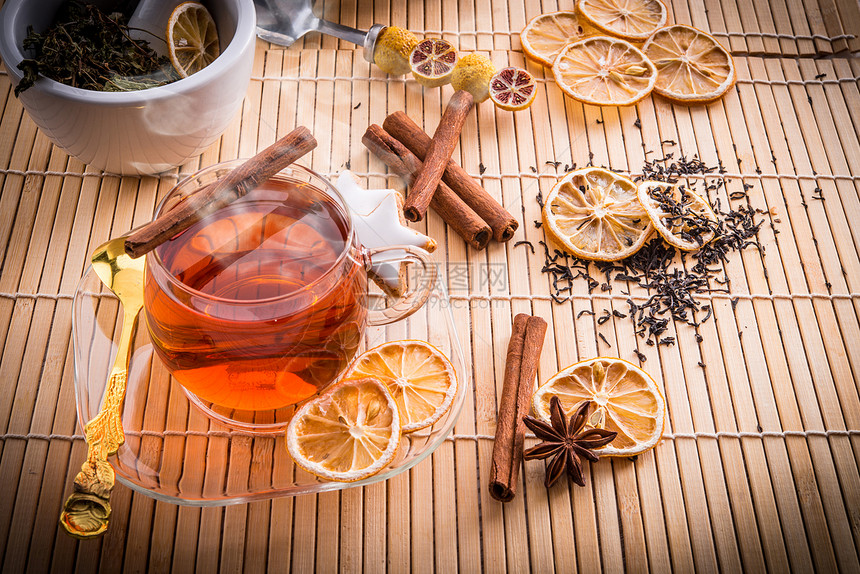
392	50
418	376
596	214
348	433
626	398
691	65
684	219
545	35
604	71
432	62
513	89
192	38
629	19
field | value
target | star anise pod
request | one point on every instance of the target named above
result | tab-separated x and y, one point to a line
566	441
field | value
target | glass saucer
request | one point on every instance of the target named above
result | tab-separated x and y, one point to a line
176	453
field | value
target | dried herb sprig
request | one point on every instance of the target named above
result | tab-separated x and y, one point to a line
90	49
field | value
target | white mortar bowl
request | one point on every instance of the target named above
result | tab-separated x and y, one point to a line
141	132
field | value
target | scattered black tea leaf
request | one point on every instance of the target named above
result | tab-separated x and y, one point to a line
529	244
674	291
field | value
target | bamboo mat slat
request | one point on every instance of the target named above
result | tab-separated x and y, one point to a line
759	467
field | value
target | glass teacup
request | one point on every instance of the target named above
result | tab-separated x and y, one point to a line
263	303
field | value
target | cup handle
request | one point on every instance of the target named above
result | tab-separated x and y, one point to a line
411	300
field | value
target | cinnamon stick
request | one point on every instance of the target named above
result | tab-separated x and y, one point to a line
459	216
438	153
413	137
521	365
229	188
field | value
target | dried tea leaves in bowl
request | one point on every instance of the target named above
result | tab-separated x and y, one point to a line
90	49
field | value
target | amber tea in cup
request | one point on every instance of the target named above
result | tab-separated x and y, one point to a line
263	303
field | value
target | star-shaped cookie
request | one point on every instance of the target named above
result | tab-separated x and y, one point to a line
377	216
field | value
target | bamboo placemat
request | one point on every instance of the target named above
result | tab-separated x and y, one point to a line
773	27
758	469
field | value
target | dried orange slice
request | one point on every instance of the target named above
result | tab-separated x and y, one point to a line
348	433
472	74
418	376
629	19
595	214
392	49
192	38
626	398
432	62
604	71
545	35
513	89
684	219
692	66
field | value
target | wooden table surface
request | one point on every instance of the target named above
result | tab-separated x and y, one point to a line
758	469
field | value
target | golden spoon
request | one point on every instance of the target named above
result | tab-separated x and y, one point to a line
119	264
87	510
